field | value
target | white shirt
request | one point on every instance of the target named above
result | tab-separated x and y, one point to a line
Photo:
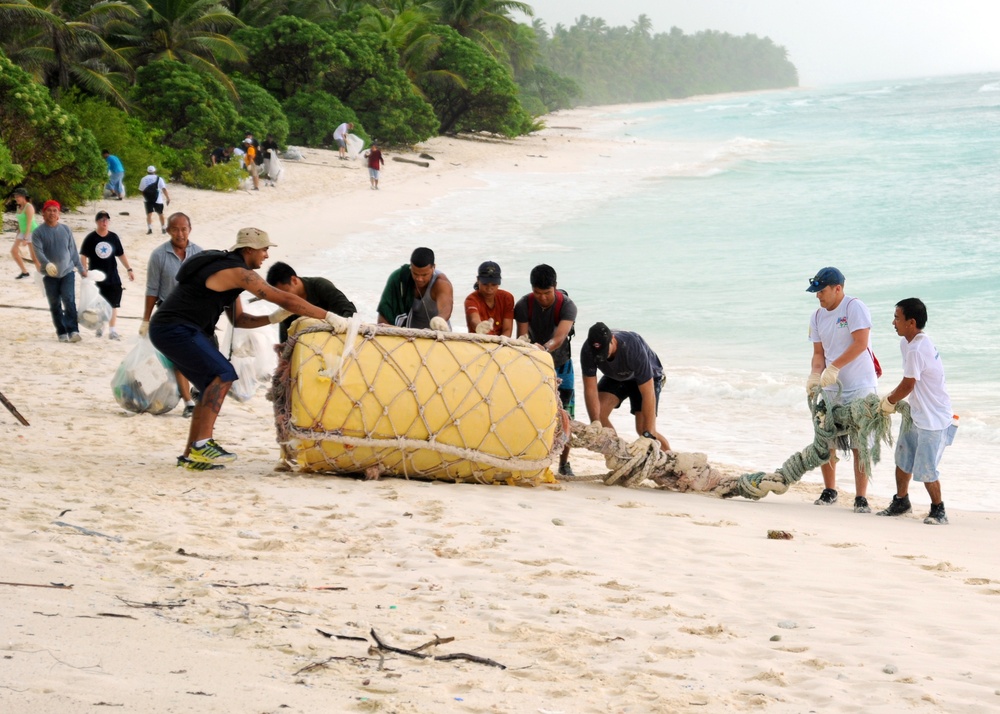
340	132
930	405
834	329
148	179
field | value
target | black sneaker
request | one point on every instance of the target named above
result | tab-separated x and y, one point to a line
188	411
937	516
566	470
827	498
149	231
22	276
861	505
898	507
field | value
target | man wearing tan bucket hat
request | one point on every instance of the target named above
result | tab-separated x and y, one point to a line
183	329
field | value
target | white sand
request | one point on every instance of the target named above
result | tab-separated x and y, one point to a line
596	599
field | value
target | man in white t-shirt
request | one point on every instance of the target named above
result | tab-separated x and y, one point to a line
919	450
843	366
340	136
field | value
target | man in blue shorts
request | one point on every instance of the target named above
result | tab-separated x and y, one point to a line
919	450
631	369
183	329
546	315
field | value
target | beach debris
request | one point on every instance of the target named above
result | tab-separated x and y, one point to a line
788	624
558	522
381	646
293	153
87	531
427	156
13	410
779	535
411	161
54	586
890	669
341	637
775	638
145	381
170	605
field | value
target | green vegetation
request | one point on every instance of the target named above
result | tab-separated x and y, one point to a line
164	81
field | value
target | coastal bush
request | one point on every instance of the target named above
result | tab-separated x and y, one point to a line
10	173
129	138
260	113
486	98
221	177
193	110
313	116
57	158
290	55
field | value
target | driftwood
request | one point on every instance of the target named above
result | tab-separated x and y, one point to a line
427	156
54	586
425	164
439	658
13	410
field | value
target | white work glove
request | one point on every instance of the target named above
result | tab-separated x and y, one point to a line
338	323
485	327
885	406
279	315
812	383
524	338
440	324
143	328
51	269
829	376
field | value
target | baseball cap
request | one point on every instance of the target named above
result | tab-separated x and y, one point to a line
489	273
252	238
150	169
599	339
50	203
824	278
102	214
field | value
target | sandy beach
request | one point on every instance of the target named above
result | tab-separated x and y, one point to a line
130	584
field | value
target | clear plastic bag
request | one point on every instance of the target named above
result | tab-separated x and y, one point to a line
92	308
253	358
145	381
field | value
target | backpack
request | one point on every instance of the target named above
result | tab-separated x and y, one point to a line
561	296
152	190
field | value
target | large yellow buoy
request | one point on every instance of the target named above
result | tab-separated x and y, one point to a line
417	403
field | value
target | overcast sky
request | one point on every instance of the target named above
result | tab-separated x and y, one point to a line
829	41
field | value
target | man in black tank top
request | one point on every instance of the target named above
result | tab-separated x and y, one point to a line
183	329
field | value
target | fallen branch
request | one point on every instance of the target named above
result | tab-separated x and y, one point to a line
54	586
441	658
13	410
340	637
154	605
425	164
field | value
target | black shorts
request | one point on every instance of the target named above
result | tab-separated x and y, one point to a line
153	207
630	389
112	292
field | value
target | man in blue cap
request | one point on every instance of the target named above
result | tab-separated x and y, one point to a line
843	366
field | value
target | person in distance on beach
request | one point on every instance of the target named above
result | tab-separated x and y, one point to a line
919	450
26	223
843	367
488	309
161	278
155	196
116	175
340	136
546	316
417	295
631	369
98	252
375	163
316	291
250	161
56	251
183	329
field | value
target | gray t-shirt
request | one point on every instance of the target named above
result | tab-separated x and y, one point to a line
55	244
633	360
542	322
161	270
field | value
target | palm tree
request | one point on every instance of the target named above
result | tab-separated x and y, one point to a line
486	22
62	44
194	32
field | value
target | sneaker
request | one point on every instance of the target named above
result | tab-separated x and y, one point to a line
937	516
149	231
22	276
898	507
163	231
566	470
64	338
210	452
114	336
861	505
100	331
188	411
74	337
184	463
827	498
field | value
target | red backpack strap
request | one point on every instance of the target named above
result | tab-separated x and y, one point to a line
559	303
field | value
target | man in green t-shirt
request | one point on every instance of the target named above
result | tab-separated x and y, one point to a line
317	291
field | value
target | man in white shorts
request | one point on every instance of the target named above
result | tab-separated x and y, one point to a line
919	450
843	366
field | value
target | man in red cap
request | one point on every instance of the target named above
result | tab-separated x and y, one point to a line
56	252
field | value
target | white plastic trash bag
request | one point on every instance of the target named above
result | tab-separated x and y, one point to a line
145	381
253	358
91	307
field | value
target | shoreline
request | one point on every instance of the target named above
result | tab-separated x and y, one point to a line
198	592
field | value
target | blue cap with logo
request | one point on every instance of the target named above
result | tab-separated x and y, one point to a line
825	278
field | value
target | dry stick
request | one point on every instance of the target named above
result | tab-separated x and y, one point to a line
440	658
13	410
54	586
156	605
340	637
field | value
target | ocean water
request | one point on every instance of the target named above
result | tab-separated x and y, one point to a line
698	224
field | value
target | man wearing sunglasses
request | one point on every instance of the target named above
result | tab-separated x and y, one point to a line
843	366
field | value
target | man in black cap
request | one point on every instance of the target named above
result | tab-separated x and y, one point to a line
631	369
488	309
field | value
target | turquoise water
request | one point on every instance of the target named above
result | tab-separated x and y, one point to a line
698	224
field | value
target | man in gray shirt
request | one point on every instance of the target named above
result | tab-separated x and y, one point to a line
56	252
161	278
